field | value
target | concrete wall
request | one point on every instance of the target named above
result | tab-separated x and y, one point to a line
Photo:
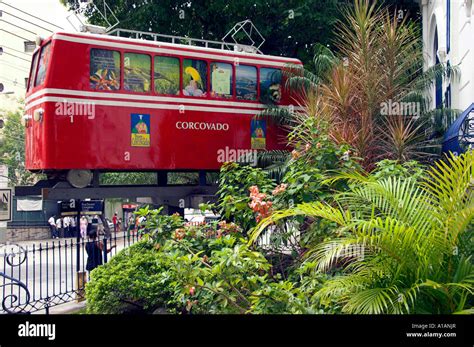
16	234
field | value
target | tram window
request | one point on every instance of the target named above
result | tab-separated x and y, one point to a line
270	85
43	64
137	68
246	82
104	69
221	80
33	70
166	75
194	77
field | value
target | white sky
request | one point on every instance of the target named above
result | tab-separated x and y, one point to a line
13	70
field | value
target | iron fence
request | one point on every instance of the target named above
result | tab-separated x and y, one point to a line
37	276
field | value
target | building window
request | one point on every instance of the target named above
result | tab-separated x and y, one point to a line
104	69
246	82
270	85
136	72
194	77
166	75
43	64
221	80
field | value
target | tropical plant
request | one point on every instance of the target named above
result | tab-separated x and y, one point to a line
400	247
235	182
374	92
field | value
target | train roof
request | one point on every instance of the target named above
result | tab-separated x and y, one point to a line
118	41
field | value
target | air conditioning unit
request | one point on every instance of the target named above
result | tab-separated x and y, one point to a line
246	49
93	29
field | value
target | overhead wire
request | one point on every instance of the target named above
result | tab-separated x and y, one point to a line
29	14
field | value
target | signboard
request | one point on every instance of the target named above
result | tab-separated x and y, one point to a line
5	204
220	81
92	207
69	207
258	134
140	130
129	206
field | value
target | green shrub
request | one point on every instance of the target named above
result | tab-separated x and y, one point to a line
234	183
129	281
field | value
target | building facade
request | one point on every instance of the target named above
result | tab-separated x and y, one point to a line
448	37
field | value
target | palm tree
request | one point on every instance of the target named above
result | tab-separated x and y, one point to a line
403	247
379	62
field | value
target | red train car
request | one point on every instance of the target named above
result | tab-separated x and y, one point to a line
97	102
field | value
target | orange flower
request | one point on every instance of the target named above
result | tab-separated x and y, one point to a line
295	154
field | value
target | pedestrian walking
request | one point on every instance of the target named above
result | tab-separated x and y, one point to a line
130	227
52	227
119	224
94	250
114	221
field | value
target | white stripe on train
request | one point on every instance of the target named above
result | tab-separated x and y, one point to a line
140	104
107	95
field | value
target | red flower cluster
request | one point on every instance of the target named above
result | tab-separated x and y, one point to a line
180	233
229	227
258	203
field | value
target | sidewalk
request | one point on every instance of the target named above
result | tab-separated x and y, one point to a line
67	308
119	234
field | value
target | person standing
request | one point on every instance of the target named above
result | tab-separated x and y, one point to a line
66	226
52	226
83	226
73	226
119	224
114	221
94	250
59	226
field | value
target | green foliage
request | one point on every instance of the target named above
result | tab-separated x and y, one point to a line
391	168
12	151
120	178
399	250
159	227
131	280
289	27
206	269
234	183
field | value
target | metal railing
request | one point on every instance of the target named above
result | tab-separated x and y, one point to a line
143	35
37	276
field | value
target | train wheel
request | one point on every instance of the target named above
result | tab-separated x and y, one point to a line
79	178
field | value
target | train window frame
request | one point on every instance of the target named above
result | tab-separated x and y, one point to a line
257	84
33	69
276	102
122	72
47	46
205	90
120	69
180	68
230	96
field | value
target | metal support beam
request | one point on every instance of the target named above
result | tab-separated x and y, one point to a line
169	195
